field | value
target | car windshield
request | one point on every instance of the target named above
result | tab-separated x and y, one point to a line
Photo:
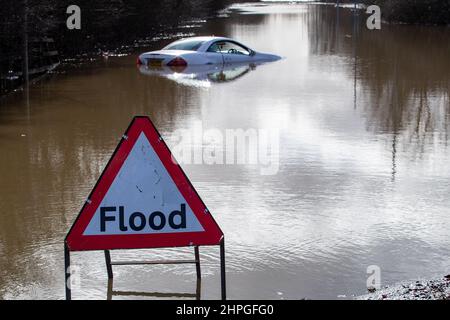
191	45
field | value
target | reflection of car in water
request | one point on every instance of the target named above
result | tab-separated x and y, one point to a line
203	51
201	75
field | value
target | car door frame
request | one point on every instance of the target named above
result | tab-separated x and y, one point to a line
230	55
224	55
212	55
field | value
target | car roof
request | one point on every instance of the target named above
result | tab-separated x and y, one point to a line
203	38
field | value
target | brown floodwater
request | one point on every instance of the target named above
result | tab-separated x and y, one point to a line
363	165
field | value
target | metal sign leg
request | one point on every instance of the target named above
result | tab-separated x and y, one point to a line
197	262
109	291
108	264
67	272
222	269
198	289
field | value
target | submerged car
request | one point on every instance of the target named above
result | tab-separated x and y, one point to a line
202	75
203	51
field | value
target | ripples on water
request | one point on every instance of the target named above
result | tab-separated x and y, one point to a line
363	176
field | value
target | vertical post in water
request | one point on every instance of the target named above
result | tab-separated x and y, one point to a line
355	57
67	272
222	269
197	262
25	74
108	264
337	24
26	67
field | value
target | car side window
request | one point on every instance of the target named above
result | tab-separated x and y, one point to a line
228	47
215	47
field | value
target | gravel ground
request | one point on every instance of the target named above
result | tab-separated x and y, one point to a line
436	289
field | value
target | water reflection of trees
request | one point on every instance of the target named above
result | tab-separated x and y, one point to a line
107	25
401	71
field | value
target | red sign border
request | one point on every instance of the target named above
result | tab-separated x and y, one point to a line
212	234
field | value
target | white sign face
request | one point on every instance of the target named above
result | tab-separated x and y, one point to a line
143	199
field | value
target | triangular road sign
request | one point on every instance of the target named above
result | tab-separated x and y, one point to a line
143	199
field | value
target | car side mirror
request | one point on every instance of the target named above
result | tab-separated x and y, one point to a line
252	53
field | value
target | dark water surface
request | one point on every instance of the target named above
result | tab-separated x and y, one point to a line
364	161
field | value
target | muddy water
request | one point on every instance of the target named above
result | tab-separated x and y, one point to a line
363	175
